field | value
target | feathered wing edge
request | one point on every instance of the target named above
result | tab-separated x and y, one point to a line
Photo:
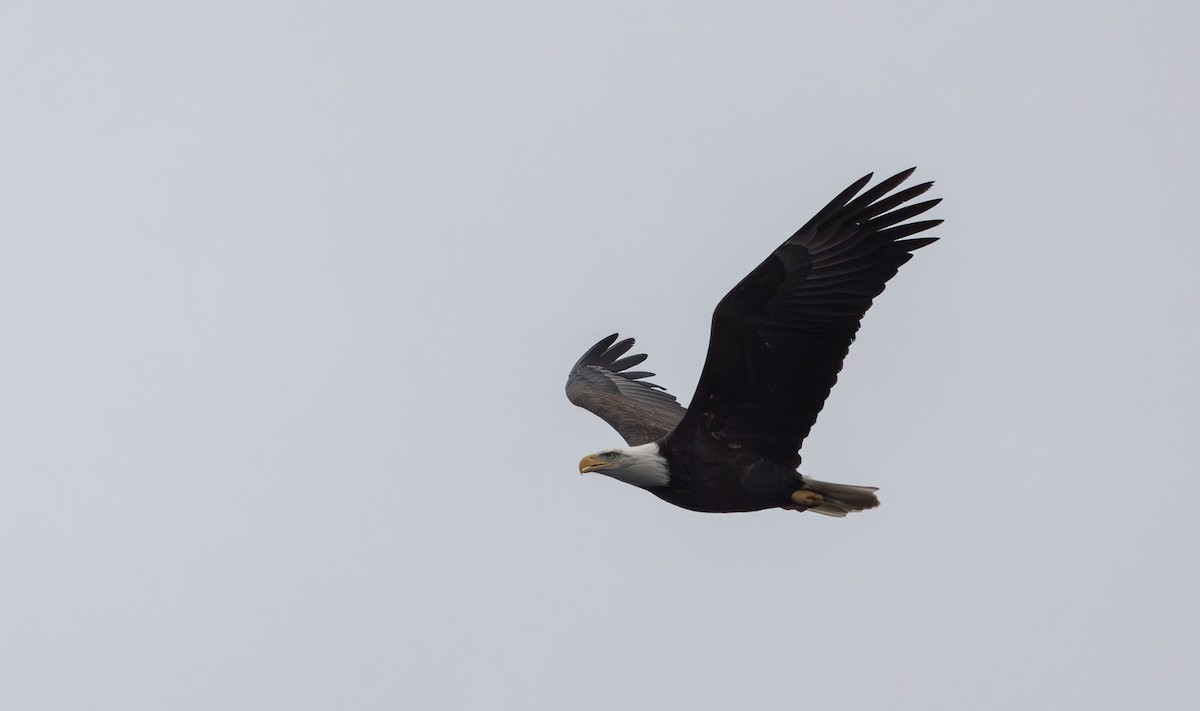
601	382
854	246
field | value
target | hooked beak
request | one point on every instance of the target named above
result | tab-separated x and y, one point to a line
591	463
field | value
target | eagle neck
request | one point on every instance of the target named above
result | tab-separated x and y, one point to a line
649	467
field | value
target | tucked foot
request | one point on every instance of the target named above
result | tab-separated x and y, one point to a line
806	499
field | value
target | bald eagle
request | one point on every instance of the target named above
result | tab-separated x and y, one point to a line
777	344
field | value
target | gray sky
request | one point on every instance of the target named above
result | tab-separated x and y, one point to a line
290	291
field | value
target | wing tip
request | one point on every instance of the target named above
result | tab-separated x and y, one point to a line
912	245
609	351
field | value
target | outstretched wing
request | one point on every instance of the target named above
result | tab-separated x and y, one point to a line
779	337
602	383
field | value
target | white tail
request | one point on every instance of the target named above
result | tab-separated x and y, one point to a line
841	499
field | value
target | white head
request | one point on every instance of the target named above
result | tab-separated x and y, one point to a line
641	465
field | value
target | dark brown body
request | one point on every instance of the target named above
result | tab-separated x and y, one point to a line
732	481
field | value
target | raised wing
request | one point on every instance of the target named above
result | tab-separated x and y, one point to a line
779	337
602	383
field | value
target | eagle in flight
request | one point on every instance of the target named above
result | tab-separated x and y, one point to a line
777	344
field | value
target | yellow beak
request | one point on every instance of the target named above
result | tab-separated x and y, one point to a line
591	463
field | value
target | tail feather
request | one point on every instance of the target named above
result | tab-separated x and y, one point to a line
841	499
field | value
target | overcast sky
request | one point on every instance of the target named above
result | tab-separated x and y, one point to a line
289	292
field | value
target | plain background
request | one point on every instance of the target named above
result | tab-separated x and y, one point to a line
289	292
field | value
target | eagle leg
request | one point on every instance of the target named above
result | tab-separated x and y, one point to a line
806	499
